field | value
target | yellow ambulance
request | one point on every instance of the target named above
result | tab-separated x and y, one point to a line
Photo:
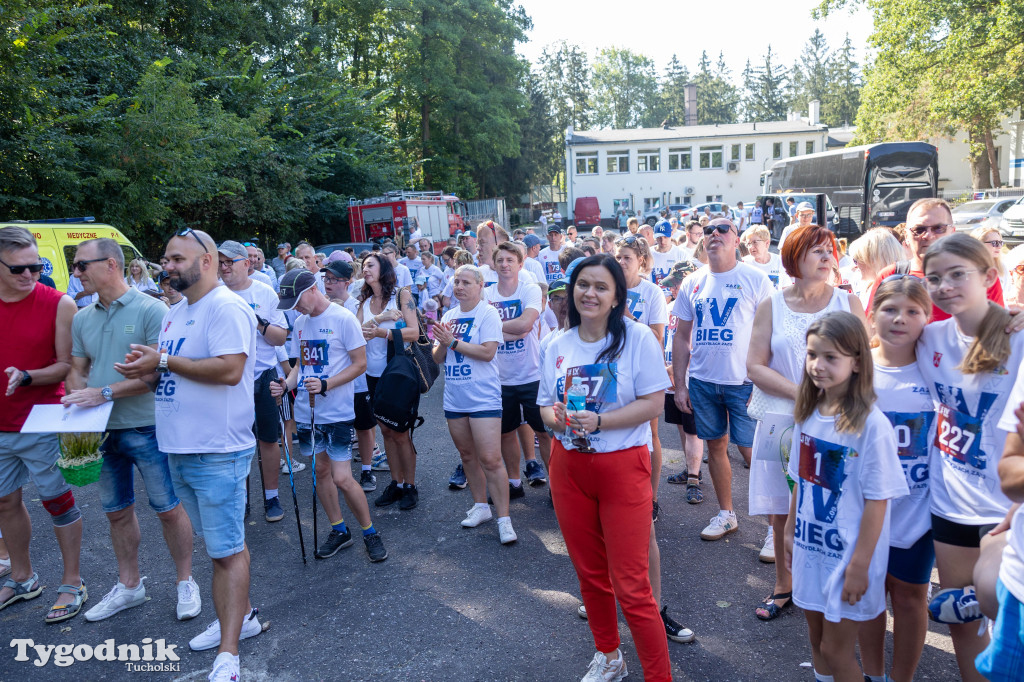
58	240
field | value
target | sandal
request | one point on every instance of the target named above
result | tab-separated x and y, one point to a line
22	590
694	495
70	610
680	478
771	609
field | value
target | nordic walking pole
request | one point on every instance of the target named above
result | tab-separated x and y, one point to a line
291	478
312	441
259	462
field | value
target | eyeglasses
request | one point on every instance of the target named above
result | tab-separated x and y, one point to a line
18	269
333	280
755	241
995	243
188	230
723	228
81	265
226	264
920	230
955	278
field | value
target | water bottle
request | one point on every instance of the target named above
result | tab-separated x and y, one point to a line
576	396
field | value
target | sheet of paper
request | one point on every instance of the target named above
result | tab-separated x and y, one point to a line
74	419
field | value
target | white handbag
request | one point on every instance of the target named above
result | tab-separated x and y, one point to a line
762	403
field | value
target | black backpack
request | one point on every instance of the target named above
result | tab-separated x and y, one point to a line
397	399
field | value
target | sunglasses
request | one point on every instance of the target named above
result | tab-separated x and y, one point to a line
250	244
188	230
921	230
723	228
996	243
81	265
627	241
18	269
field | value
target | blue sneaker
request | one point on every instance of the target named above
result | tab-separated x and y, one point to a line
458	479
535	473
954	606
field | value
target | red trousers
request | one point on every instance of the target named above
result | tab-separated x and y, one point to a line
603	504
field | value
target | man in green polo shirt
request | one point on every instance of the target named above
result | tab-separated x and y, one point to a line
101	334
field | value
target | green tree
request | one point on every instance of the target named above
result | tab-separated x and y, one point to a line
841	99
811	76
942	65
625	87
717	98
672	96
564	77
766	91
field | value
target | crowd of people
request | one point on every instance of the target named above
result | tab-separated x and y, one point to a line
871	389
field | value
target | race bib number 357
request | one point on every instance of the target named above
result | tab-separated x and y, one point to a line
599	380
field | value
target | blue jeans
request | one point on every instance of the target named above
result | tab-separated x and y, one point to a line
719	409
122	449
212	488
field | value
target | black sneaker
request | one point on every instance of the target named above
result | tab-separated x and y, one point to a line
375	547
516	491
410	496
655	511
368	481
457	481
675	631
272	509
334	542
535	473
390	495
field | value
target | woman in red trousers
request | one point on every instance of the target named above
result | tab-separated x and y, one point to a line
598	392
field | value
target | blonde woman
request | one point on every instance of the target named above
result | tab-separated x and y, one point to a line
991	238
871	253
138	276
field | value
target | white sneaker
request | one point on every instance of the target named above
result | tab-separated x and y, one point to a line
189	602
379	460
210	637
117	600
476	516
720	525
297	466
505	531
225	669
767	554
601	670
581	611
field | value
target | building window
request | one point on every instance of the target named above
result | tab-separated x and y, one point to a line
651	203
648	160
735	153
586	163
618	162
711	157
777	150
809	147
749	153
679	159
794	148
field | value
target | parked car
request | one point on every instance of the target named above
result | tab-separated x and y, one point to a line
982	213
714	207
586	212
652	216
1012	224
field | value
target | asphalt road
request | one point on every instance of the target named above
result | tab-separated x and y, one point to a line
448	604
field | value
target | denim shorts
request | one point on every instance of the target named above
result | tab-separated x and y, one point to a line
24	455
335	438
1003	659
482	414
122	449
212	488
720	409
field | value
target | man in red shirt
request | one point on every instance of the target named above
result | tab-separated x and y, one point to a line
928	220
35	353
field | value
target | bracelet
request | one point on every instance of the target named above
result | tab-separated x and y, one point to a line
453	344
598	422
323	387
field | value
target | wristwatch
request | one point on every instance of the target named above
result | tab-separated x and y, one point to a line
323	387
162	367
108	393
26	378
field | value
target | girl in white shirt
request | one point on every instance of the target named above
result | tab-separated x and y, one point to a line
970	364
900	310
843	460
600	463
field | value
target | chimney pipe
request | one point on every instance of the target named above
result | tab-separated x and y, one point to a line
814	112
691	104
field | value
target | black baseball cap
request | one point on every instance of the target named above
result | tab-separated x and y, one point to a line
339	268
294	283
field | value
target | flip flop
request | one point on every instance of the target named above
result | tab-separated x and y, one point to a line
22	590
70	610
774	610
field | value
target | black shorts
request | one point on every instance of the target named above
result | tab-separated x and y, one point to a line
268	425
673	415
365	421
958	534
519	403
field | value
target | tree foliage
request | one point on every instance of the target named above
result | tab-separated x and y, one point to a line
766	90
625	87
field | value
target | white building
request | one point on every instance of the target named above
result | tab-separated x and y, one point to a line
643	168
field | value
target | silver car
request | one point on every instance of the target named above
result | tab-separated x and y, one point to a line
981	213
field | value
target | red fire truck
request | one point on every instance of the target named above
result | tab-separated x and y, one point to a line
400	213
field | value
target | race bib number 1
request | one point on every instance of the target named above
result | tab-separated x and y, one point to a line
958	435
822	463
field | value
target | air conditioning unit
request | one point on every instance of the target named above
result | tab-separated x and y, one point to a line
733	166
689	191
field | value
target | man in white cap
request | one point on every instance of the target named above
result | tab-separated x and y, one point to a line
804	217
